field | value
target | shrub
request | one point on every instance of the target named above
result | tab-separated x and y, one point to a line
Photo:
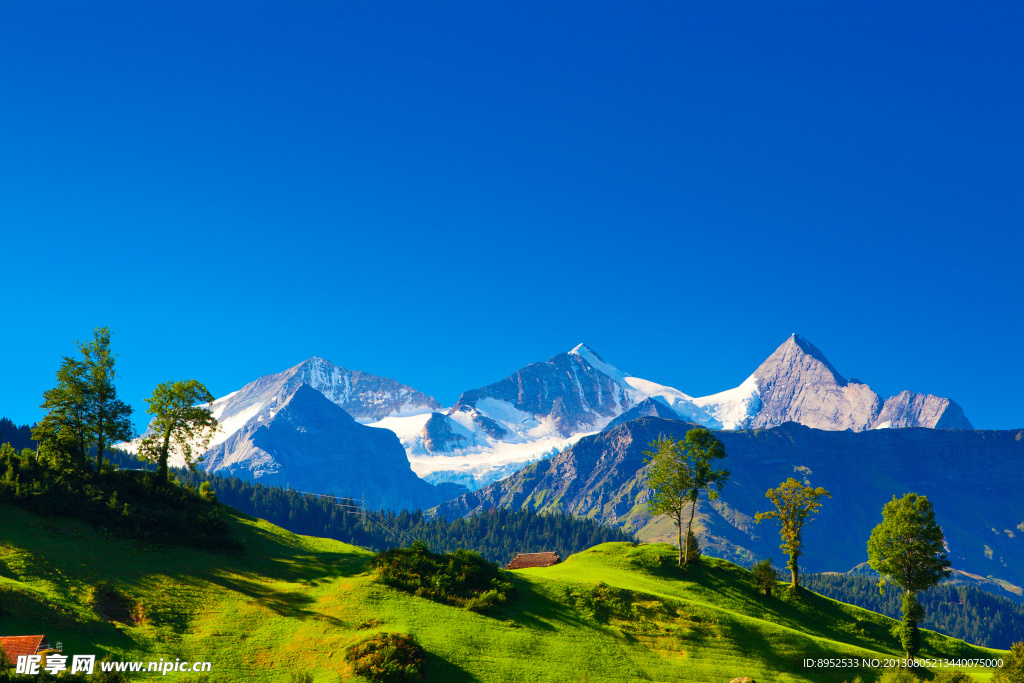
463	578
112	605
600	601
388	658
206	492
765	576
692	548
953	677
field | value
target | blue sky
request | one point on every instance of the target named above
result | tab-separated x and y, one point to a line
444	192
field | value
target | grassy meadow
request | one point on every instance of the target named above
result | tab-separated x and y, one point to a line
289	605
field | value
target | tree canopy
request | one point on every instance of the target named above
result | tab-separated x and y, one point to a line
680	471
182	424
794	504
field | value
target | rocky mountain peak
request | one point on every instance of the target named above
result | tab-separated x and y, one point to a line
364	396
798	384
799	357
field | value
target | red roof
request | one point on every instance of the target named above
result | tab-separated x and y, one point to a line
16	646
524	560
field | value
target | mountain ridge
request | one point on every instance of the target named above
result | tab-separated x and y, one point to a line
603	476
544	408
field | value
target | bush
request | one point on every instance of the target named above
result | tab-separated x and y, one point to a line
953	677
765	576
692	548
388	658
112	605
601	601
463	578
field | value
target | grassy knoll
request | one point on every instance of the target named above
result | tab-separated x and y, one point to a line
291	604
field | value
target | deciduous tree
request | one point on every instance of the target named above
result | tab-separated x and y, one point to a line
680	471
182	424
83	411
908	549
794	505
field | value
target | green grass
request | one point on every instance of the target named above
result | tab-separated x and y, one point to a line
291	604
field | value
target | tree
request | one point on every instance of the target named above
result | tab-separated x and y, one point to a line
794	505
765	576
83	411
110	417
182	424
1012	670
64	428
908	549
680	470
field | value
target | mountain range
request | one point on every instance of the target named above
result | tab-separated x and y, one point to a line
377	428
546	407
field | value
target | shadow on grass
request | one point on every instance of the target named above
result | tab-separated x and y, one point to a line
776	654
533	609
801	610
292	604
438	669
284	557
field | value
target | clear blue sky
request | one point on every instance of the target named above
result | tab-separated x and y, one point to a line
444	192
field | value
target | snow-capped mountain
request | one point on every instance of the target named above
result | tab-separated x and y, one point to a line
546	407
365	397
299	439
535	413
543	409
300	428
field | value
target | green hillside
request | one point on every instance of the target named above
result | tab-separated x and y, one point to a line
289	605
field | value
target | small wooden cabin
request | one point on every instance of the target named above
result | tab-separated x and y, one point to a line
524	560
20	646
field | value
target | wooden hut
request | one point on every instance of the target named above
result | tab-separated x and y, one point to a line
524	560
20	646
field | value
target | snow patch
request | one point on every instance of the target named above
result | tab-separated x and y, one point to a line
733	407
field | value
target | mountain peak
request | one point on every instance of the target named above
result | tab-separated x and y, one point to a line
584	351
796	347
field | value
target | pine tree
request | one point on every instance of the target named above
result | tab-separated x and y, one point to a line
692	548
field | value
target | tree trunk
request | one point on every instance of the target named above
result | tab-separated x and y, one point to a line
162	473
99	440
679	528
795	572
689	527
